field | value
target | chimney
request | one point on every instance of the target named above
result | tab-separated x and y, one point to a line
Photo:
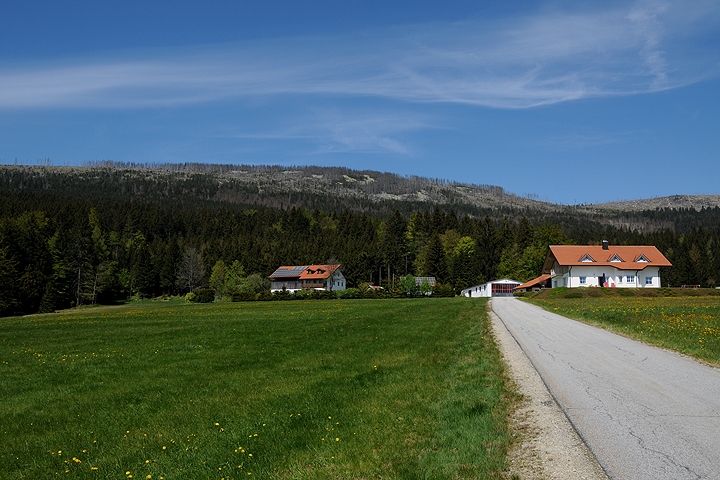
605	245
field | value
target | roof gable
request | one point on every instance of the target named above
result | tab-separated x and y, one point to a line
617	256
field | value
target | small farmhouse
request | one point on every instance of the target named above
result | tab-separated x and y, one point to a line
604	266
496	288
307	277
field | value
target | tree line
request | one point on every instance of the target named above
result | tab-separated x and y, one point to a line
61	250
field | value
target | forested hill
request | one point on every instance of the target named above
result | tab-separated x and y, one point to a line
338	189
324	188
71	235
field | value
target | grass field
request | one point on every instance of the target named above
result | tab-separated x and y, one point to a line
324	389
687	324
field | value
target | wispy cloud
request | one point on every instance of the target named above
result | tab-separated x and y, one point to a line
334	131
515	63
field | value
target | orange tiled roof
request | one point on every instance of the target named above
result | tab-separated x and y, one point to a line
631	256
305	272
534	281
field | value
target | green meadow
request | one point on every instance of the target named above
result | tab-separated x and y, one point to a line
315	389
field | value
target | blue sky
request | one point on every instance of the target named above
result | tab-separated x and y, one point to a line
575	102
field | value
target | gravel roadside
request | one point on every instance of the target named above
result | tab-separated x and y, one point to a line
548	447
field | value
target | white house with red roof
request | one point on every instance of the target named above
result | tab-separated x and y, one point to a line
604	266
307	277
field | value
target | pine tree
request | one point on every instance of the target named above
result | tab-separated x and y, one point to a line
436	261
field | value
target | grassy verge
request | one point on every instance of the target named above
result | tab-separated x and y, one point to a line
688	324
335	389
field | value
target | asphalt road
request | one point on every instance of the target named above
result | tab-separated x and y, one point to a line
644	412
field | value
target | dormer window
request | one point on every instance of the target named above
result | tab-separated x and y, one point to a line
616	258
587	258
642	258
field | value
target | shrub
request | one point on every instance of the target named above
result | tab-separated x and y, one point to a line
594	292
557	291
443	290
714	293
302	294
243	297
201	295
369	293
626	292
322	295
575	294
349	293
282	295
264	296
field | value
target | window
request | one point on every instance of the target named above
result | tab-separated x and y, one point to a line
583	280
648	280
615	258
642	258
631	279
587	258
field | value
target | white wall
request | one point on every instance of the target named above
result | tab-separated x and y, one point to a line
614	277
336	281
485	290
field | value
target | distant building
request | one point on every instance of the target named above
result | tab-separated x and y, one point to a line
430	280
307	277
604	266
497	288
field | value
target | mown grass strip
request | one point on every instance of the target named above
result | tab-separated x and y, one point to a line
687	324
336	389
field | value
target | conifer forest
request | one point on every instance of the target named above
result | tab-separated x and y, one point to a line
102	234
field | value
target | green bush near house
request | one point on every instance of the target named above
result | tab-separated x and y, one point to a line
627	292
556	292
